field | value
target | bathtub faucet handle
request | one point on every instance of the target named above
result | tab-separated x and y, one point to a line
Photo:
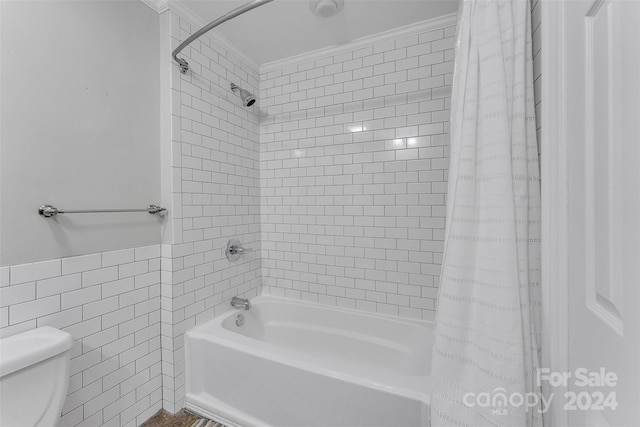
235	249
243	303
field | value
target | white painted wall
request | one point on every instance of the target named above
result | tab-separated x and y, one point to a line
80	126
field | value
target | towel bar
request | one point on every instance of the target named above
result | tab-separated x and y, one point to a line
48	211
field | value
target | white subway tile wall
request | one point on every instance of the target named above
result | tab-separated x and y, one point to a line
216	196
354	158
110	303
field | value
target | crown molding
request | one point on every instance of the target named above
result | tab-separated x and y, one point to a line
418	27
185	12
157	5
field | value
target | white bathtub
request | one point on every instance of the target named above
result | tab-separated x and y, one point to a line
298	364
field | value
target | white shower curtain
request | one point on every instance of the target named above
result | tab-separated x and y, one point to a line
486	345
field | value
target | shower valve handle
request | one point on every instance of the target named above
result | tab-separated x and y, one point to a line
237	249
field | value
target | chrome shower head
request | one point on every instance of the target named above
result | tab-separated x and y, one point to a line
247	98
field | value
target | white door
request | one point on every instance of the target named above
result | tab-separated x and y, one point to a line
603	211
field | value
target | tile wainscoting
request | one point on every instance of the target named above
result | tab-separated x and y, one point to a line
110	303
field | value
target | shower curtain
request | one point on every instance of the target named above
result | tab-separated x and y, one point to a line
486	345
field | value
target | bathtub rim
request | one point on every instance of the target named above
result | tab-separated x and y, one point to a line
430	324
397	384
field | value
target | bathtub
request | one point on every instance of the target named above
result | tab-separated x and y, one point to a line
295	363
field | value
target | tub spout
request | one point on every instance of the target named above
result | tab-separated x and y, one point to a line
243	303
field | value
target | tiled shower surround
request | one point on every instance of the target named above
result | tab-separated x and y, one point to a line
354	159
336	179
215	196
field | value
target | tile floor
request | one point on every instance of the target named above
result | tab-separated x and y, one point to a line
180	419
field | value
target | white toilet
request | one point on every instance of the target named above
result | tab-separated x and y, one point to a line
34	376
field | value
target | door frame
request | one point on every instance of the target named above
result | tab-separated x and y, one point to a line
554	201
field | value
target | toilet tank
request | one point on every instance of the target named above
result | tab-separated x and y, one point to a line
34	377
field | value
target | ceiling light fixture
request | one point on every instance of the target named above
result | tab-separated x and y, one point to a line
326	8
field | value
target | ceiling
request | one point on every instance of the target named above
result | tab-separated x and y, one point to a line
285	28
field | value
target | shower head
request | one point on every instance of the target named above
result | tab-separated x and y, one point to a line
247	98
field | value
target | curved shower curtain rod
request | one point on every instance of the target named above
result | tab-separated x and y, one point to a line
184	65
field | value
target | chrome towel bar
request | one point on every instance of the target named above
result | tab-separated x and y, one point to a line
49	211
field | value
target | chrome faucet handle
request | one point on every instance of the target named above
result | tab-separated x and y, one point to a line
235	249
